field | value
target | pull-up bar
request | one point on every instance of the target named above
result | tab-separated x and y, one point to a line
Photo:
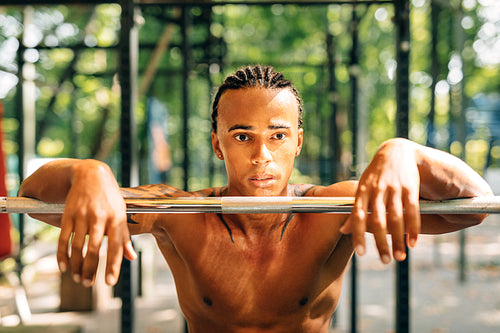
255	205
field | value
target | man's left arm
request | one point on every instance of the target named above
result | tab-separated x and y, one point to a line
401	173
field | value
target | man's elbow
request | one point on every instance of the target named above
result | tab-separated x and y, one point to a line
477	219
464	221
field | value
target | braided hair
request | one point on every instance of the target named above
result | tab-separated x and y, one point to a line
254	76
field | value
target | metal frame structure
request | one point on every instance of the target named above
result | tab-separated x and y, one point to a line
254	205
127	73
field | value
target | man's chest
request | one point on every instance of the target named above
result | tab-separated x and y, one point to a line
248	282
272	276
227	272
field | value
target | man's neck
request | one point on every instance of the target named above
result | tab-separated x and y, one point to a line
257	226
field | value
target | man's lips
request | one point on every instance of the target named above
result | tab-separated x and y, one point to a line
262	180
262	177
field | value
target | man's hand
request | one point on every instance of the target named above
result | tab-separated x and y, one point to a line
389	186
94	207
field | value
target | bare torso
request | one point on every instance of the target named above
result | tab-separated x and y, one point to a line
247	273
270	273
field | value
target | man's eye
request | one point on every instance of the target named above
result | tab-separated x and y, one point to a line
279	136
241	137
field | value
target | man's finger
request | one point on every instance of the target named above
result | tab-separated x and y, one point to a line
91	259
396	227
357	221
128	249
378	224
77	246
63	244
115	254
412	218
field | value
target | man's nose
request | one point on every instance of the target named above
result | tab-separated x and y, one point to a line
262	154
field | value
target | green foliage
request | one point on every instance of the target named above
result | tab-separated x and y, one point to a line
73	52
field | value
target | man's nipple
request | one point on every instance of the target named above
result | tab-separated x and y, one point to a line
207	301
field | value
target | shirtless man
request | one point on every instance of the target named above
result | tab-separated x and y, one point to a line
257	273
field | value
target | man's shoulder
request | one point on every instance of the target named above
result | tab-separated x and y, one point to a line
210	192
345	188
303	190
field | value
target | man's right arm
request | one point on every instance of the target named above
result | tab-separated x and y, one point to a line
94	207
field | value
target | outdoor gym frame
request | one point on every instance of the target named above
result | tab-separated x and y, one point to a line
128	59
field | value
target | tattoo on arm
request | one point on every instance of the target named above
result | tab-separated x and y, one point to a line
155	190
162	190
130	220
211	192
304	189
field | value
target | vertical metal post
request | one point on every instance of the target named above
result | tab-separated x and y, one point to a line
332	97
458	103
402	12
26	96
211	164
185	91
354	72
128	49
20	137
185	23
435	10
210	52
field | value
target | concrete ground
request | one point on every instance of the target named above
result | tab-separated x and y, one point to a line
439	302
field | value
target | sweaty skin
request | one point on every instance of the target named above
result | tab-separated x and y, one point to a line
258	273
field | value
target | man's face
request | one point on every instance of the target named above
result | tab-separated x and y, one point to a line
258	137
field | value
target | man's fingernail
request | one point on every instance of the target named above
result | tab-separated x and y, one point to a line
87	283
386	258
413	242
76	278
399	255
360	250
63	267
131	250
110	279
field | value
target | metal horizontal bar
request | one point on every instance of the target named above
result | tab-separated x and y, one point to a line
196	2
252	205
53	2
261	2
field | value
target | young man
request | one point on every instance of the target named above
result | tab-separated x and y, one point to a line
257	273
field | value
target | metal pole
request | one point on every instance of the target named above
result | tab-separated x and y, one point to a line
128	48
254	205
435	11
402	13
354	72
333	97
20	141
206	3
459	103
185	92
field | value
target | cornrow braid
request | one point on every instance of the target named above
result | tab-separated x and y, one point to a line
254	76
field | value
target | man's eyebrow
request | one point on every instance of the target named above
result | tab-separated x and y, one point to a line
279	126
240	127
247	128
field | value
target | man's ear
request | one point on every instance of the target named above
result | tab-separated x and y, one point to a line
216	146
299	141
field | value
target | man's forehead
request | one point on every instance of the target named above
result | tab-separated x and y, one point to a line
272	126
257	96
257	108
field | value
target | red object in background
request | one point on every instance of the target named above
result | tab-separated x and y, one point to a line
5	241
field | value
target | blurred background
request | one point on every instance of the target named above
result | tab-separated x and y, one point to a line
62	94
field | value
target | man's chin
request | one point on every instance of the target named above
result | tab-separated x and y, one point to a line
267	192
